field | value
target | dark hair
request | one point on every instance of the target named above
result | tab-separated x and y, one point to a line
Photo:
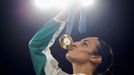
104	50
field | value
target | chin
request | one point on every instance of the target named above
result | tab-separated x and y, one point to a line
68	57
71	58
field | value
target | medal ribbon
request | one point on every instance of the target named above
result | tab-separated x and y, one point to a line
82	22
82	28
70	21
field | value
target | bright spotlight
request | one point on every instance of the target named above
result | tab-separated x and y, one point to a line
42	3
51	3
87	2
60	3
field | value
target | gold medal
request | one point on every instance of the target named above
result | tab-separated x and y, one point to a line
65	40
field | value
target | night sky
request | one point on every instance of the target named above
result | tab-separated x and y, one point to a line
111	20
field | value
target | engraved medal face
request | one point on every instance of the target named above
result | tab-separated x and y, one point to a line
65	40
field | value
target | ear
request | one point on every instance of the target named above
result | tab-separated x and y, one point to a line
96	59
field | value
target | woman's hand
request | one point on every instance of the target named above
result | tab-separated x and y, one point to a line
62	16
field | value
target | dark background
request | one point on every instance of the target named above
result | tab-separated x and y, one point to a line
19	21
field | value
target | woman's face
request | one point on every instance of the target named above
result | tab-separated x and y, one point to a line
80	51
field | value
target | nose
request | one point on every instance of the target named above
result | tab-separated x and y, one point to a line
71	46
75	44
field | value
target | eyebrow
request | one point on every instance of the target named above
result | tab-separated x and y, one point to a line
86	40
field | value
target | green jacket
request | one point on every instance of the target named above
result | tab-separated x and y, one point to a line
39	42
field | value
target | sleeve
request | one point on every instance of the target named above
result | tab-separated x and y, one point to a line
40	42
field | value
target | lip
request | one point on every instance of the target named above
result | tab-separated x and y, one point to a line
69	50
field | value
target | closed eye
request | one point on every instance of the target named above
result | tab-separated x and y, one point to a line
84	43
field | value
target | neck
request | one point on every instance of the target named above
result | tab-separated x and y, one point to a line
82	68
